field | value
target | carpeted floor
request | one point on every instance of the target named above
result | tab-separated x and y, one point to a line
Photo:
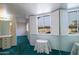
23	48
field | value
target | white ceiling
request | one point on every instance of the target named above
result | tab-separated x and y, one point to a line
72	5
26	9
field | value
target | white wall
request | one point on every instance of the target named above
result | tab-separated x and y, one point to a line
62	42
53	38
20	29
20	26
67	40
63	22
33	25
55	22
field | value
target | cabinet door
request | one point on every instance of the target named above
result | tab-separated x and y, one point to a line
13	41
6	43
0	27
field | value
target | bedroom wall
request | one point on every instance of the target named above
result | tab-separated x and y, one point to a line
53	37
59	41
20	26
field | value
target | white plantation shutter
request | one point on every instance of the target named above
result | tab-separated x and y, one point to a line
44	21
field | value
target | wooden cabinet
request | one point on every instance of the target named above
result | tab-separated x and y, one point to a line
7	27
5	42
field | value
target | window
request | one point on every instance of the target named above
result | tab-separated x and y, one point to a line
73	22
44	23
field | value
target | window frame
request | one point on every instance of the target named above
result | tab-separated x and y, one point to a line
50	25
74	34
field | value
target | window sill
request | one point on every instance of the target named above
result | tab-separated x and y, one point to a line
44	34
76	34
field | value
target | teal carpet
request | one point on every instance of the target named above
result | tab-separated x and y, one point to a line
23	48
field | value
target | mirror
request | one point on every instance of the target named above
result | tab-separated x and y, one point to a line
5	27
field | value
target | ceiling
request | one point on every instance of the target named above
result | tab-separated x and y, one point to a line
72	5
26	9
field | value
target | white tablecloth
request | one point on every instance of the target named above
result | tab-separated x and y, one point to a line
42	46
75	49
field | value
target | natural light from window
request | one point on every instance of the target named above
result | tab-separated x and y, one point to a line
44	24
